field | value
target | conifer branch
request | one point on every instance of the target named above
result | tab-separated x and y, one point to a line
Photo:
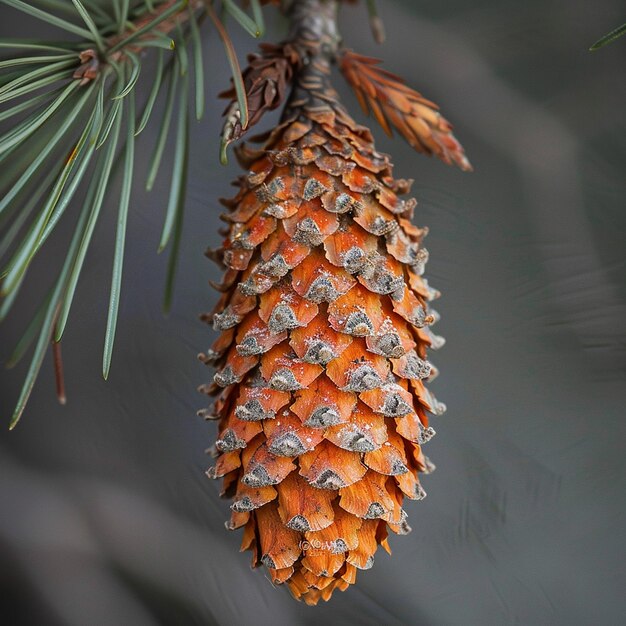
71	100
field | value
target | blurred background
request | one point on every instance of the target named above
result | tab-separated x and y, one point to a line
106	517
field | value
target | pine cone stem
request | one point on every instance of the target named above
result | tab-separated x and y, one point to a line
313	24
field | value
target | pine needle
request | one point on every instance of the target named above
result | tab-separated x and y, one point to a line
48	18
181	52
257	13
178	203
154	92
93	29
163	132
234	66
35	44
244	20
608	38
120	240
36	60
179	167
134	75
198	65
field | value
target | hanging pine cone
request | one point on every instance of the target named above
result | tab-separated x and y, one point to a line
324	322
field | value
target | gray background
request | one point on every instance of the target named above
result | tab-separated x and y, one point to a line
106	516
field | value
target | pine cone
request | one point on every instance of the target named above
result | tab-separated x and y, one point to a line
322	356
324	321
